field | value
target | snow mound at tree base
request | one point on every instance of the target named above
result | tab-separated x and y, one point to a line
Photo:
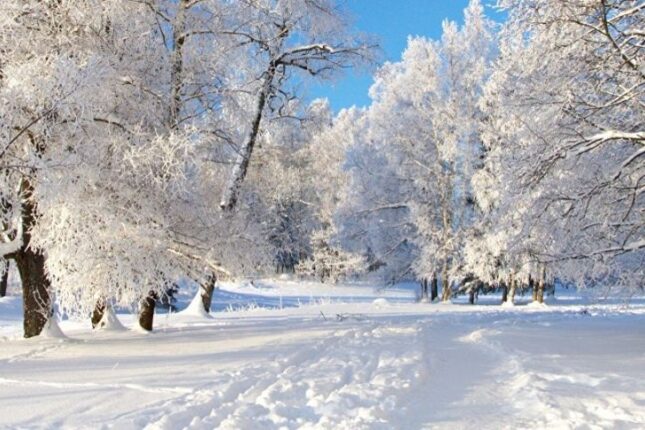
52	330
196	308
537	305
110	322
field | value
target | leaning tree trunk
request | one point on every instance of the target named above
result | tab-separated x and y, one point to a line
207	292
434	288
99	311
147	311
229	196
3	282
35	291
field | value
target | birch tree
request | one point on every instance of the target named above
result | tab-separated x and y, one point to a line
289	39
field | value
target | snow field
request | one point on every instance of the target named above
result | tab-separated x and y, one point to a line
386	363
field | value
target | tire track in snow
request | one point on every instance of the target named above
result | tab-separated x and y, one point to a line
354	378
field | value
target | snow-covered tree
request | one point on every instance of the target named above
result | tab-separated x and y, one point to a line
565	137
327	179
289	40
119	119
423	134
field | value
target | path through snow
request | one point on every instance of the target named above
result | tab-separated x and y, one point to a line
406	366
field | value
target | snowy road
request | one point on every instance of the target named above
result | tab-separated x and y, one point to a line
403	366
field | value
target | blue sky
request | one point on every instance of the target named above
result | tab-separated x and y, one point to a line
391	21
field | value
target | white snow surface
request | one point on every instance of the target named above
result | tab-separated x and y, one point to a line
291	355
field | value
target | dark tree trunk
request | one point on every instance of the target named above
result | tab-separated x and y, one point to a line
99	311
147	311
434	288
36	300
3	282
504	291
207	292
35	291
534	288
540	292
471	296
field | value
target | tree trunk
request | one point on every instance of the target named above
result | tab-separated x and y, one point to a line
424	290
3	281
471	296
504	291
541	285
229	196
511	288
445	284
147	311
207	292
36	300
177	64
99	311
434	288
534	288
35	291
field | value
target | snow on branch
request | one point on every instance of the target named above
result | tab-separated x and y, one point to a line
212	265
596	140
7	245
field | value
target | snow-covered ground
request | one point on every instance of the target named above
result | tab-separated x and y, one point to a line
284	355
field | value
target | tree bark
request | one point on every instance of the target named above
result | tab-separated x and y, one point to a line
541	285
177	64
37	303
99	311
534	288
434	288
511	288
35	291
147	311
207	292
424	290
445	284
504	291
471	296
3	282
229	196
